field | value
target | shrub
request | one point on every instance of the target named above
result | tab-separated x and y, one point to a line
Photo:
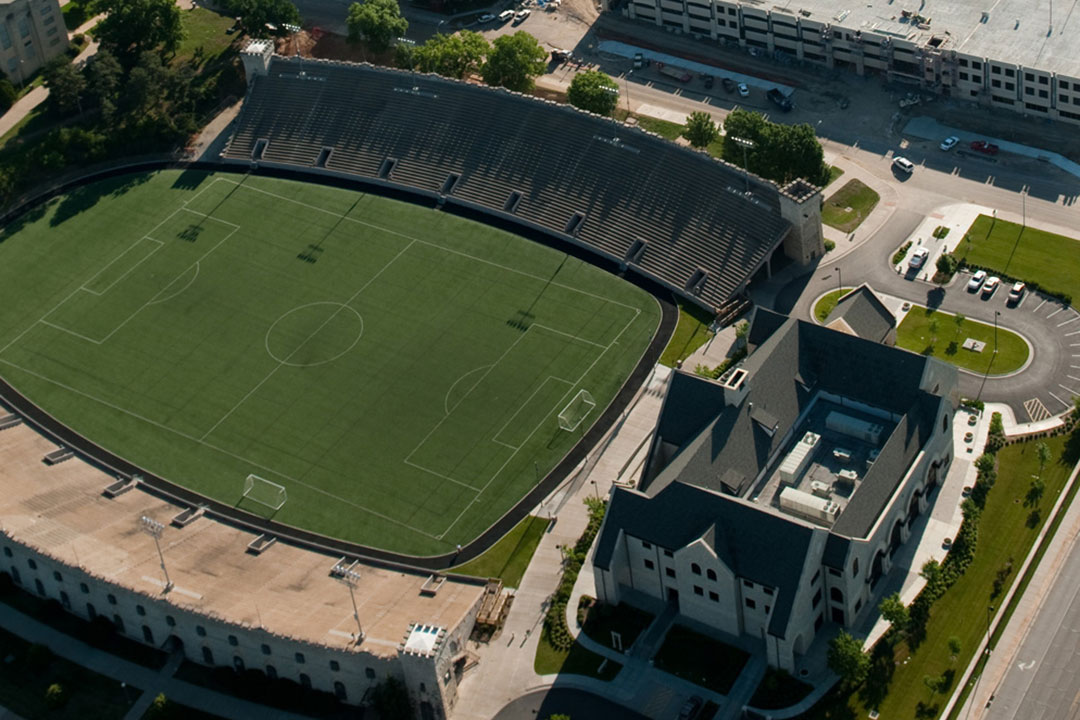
159	709
555	630
829	246
947	264
55	696
899	255
995	440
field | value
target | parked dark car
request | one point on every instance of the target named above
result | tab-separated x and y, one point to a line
984	147
729	84
780	100
708	81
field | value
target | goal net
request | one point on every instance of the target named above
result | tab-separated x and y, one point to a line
264	492
576	411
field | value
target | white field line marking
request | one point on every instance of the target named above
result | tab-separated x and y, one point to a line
181	290
313	333
572	337
522	407
125	252
581	377
216	448
435	245
440	475
69	332
1036	308
446	400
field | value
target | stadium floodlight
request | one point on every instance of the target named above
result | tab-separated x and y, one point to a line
351	578
745	145
154	529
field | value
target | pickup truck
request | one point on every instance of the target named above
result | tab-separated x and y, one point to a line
780	100
674	72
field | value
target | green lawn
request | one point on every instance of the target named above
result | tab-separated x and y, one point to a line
691	333
577	661
32	669
664	128
700	659
1052	261
624	619
204	34
827	303
915	334
509	557
399	371
76	12
1005	531
834	173
37	119
848	207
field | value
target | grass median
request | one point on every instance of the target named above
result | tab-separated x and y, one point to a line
938	334
849	206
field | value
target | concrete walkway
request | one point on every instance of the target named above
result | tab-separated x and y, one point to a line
136	676
846	242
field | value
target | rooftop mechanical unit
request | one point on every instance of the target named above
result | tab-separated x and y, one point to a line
809	506
870	432
799	457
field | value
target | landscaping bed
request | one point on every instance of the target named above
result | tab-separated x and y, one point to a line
849	206
918	334
691	333
827	303
628	621
778	690
700	659
509	558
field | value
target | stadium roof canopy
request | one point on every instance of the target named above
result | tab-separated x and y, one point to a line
673	214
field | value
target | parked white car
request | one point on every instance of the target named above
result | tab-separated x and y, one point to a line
744	91
949	143
903	164
991	285
918	258
976	280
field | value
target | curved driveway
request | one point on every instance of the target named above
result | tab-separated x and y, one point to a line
542	704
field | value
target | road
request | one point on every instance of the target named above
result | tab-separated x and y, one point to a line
542	704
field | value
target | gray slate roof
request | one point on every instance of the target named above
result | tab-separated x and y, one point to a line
864	313
755	544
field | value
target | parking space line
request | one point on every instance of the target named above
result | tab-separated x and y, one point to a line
1071	391
1074	332
1039	305
1054	313
1059	399
1074	319
1073	377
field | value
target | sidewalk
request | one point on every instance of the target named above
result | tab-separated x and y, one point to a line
846	242
136	676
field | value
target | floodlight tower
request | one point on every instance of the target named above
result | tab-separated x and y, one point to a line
154	529
745	145
352	579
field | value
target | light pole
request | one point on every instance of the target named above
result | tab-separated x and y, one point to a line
596	489
997	313
839	279
614	92
626	83
745	145
352	578
154	529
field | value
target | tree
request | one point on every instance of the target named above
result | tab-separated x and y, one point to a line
700	129
376	21
933	327
453	56
514	61
947	264
145	88
934	576
781	152
594	91
404	56
8	94
132	27
159	709
959	319
104	76
954	648
847	659
1045	455
255	15
895	612
1035	492
66	84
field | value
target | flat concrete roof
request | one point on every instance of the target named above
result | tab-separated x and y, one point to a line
1014	31
60	511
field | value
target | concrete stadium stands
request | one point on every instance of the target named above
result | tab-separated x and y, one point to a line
673	214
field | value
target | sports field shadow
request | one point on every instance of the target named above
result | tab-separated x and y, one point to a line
255	508
190	179
22	220
85	197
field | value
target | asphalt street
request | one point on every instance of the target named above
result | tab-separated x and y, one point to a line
542	704
1044	679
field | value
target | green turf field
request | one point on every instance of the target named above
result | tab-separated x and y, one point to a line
398	370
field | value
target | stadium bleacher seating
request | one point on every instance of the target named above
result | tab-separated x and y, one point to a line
629	185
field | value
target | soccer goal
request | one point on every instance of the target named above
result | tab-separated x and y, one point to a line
576	411
264	492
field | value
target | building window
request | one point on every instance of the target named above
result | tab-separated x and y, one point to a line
7	552
265	649
207	655
649	564
669	572
170	621
271	672
335	665
669	554
31	563
995	70
817	598
111	598
65	600
711	574
963	76
119	623
40	587
750	603
339	690
698	590
1030	77
1063	98
995	83
713	596
15	575
233	641
5	37
369	673
1044	94
748	583
1009	72
1043	80
817	576
855	567
768	590
695	568
963	62
647	546
24	28
300	658
91	612
976	65
305	681
835	573
858	605
767	609
148	634
238	663
140	610
838	616
84	588
818	622
200	631
1010	86
837	595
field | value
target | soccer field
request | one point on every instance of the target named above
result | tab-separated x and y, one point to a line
398	370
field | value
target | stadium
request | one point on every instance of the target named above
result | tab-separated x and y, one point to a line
393	316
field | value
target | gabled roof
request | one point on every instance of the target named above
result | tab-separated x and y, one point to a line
862	313
754	544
